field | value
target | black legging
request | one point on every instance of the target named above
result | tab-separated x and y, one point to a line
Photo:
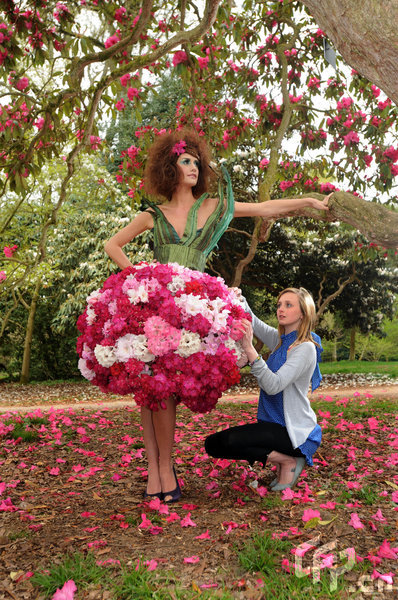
250	442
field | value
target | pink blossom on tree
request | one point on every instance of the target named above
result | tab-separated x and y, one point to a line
9	250
203	62
22	84
112	40
351	138
120	104
179	57
125	79
133	93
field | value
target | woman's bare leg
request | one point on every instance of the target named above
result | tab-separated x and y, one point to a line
286	465
152	451
164	421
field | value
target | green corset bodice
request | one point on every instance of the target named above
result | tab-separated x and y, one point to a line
193	248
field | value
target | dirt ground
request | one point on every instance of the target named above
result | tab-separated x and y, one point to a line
79	486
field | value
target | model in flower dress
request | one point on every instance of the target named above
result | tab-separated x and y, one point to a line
186	227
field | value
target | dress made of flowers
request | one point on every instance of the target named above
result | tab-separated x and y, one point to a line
165	329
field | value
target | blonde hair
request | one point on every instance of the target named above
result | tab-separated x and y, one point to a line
307	307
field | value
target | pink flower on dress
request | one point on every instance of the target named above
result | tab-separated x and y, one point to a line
159	331
162	337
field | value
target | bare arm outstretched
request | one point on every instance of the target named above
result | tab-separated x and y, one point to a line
277	208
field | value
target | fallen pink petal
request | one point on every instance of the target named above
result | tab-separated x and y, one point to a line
309	514
191	559
385	551
67	592
203	536
356	522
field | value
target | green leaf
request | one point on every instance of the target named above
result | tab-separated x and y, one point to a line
312	523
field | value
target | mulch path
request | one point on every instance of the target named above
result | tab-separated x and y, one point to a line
78	488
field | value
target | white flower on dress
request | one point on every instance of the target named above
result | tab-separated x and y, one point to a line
138	295
84	370
189	344
93	297
238	349
191	304
219	315
105	355
177	283
140	348
90	316
124	347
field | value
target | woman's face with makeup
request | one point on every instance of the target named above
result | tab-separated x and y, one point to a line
188	166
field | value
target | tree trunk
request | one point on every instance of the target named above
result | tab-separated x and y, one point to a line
352	343
365	34
334	350
29	335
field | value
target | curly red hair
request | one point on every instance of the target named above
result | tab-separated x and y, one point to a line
161	175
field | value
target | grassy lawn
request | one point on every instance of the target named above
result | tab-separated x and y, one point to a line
356	366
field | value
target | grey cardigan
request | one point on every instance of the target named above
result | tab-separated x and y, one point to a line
293	379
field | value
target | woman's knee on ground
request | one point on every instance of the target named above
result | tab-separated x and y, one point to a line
218	444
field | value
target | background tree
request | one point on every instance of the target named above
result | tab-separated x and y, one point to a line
73	266
58	61
254	74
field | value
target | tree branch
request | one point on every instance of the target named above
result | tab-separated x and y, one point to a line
342	284
191	35
240	232
376	222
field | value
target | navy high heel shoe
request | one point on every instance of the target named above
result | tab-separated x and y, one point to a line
300	464
149	496
175	494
